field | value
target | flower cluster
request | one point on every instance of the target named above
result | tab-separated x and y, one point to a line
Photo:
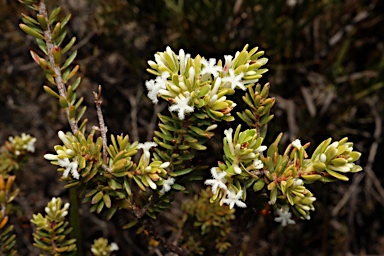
66	157
100	247
25	143
73	155
335	158
287	174
242	150
52	230
191	84
242	164
219	181
152	173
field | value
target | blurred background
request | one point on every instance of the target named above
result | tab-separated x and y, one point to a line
326	69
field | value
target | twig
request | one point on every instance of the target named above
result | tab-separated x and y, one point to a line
372	178
308	98
289	107
166	244
350	193
103	128
58	76
143	219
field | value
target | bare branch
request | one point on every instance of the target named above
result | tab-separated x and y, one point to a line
103	128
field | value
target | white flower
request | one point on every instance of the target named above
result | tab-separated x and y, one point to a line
191	74
145	147
228	135
260	149
228	63
113	247
181	106
183	58
51	157
159	58
64	139
66	206
167	185
215	89
65	212
349	147
210	67
296	144
30	146
154	86
297	182
284	216
164	165
233	199
150	182
334	144
234	80
218	180
236	168
11	139
211	127
69	167
323	158
258	164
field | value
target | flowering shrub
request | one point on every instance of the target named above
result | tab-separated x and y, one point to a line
199	93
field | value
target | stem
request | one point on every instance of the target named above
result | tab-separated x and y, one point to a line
74	220
74	211
58	76
103	128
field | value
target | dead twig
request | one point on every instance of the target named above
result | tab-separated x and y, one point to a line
289	107
351	192
371	176
102	127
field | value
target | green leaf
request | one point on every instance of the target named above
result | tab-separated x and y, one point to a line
31	31
59	40
107	200
337	175
96	198
56	31
69	45
130	224
55	12
65	20
41	44
50	92
69	60
181	172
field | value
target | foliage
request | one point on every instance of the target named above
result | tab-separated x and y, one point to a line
7	237
204	222
302	15
197	89
12	154
52	230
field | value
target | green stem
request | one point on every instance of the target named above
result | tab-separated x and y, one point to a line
74	219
